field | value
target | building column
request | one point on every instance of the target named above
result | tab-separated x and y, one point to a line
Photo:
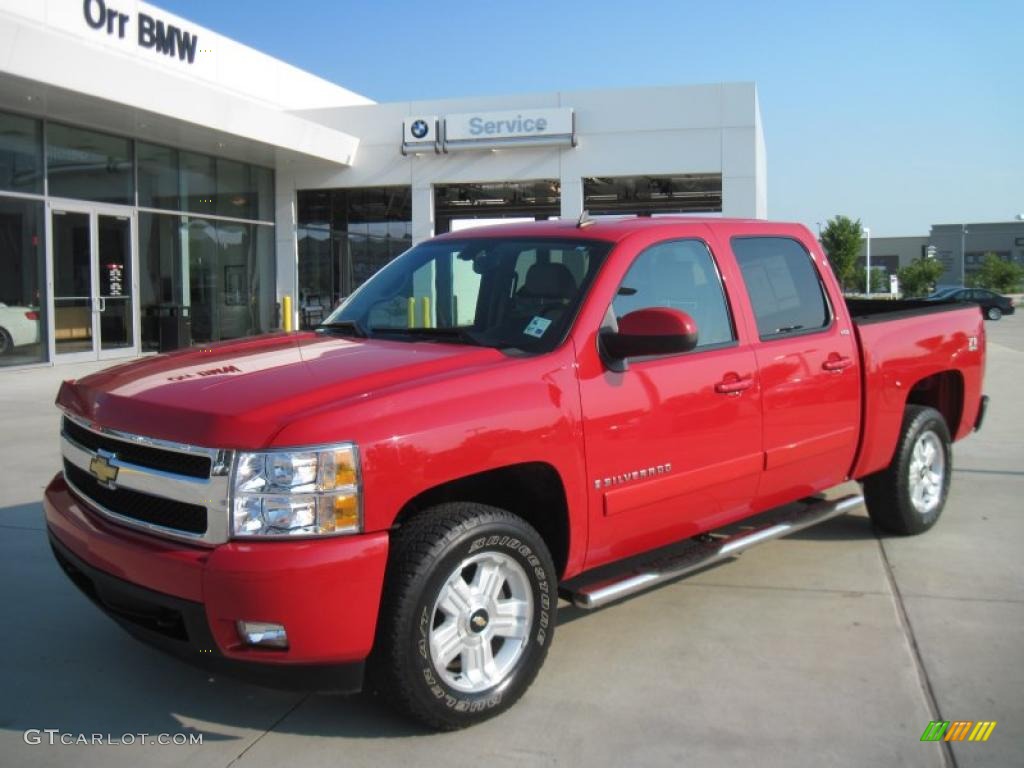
572	197
286	242
740	198
422	213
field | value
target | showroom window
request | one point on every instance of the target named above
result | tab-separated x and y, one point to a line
344	237
175	180
224	272
21	154
219	267
88	165
23	270
457	206
649	195
159	174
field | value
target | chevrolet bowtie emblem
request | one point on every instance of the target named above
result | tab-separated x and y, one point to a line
103	470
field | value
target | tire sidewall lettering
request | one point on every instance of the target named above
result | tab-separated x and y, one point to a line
434	687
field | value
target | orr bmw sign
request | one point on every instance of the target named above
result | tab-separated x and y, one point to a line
148	32
489	130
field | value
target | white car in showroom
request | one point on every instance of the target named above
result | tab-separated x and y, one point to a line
18	326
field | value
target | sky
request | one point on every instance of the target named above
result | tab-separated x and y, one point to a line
901	114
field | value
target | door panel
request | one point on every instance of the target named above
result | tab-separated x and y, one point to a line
811	416
660	463
670	452
810	378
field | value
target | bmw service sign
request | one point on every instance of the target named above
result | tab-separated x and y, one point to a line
419	133
523	127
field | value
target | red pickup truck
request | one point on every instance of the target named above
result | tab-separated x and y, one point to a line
498	419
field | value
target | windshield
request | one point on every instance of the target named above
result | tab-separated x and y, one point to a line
519	293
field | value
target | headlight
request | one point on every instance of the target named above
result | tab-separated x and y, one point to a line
308	492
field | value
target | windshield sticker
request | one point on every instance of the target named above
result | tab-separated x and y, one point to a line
537	327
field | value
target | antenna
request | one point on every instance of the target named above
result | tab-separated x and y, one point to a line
584	220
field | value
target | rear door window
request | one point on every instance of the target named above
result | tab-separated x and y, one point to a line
783	285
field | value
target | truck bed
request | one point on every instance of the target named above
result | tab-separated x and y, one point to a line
902	344
880	310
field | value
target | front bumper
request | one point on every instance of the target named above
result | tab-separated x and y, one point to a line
186	600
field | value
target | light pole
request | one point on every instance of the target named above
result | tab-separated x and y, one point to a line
963	255
867	261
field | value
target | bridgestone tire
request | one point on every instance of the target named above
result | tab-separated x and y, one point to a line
428	555
889	494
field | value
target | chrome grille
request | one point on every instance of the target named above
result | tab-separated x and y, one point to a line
157	487
166	513
189	464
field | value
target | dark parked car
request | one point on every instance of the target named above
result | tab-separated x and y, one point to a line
993	305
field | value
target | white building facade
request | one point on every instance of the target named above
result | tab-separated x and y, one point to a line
161	184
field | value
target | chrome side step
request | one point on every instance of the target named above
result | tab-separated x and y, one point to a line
700	553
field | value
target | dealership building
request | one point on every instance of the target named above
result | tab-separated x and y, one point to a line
161	184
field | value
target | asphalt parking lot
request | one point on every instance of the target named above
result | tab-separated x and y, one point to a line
832	647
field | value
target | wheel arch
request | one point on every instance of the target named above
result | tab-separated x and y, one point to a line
534	491
943	391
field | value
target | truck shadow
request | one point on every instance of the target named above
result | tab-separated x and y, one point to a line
74	669
849	527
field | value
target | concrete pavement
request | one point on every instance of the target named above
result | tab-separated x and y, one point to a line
832	647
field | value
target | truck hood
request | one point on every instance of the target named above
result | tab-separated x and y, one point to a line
240	394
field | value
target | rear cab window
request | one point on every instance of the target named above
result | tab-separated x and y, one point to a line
785	289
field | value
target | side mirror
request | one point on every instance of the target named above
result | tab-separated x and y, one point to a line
652	331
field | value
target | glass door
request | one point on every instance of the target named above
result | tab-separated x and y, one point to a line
94	304
115	296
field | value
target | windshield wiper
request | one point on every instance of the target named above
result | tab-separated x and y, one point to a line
351	327
458	335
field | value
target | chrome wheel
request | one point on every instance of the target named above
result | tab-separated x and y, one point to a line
927	472
481	622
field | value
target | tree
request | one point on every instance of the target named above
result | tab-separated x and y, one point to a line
841	241
879	280
918	278
999	275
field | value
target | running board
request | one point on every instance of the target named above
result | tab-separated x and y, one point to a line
695	554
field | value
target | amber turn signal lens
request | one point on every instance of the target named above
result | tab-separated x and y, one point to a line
342	513
337	468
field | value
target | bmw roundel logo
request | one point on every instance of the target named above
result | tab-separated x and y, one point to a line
419	129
